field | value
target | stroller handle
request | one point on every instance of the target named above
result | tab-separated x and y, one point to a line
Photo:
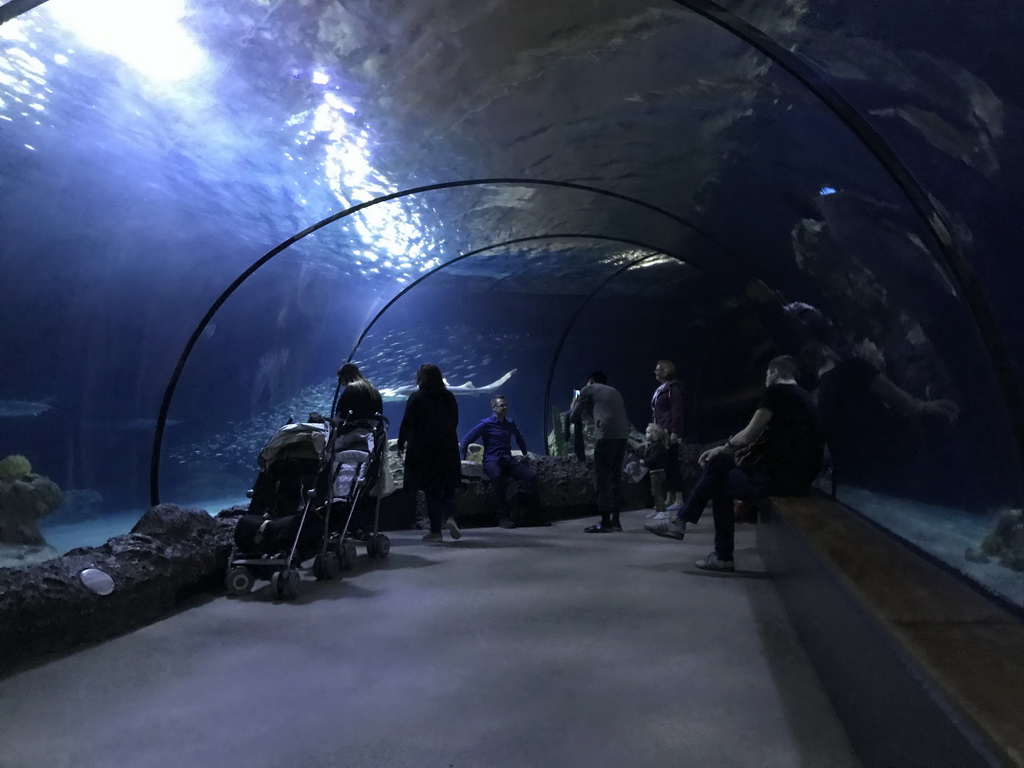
378	417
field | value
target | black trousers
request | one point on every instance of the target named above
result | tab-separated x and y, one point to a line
608	456
720	482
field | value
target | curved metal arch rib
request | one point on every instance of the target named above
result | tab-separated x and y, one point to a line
495	246
14	8
954	262
656	251
165	404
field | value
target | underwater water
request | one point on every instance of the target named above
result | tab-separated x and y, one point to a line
208	207
945	533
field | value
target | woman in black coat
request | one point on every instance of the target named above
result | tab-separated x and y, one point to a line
360	400
432	461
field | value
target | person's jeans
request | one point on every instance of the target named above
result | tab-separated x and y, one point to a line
608	456
500	471
720	482
673	473
440	506
658	489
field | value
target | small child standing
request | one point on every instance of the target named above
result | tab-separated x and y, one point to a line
654	452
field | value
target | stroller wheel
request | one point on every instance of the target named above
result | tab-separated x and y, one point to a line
326	567
371	546
383	545
289	584
277	585
332	566
239	581
347	559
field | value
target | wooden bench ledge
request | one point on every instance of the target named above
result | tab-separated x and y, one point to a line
970	647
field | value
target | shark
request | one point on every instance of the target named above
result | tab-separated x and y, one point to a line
15	408
395	394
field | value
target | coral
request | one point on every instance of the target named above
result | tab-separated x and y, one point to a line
23	501
1005	542
557	444
14	466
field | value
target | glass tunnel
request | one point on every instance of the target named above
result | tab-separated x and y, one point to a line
207	207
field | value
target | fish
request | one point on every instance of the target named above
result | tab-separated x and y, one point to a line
133	425
394	394
145	424
16	408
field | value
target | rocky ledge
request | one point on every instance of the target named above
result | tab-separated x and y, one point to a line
171	554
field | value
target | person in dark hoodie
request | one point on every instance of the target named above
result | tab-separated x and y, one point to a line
429	439
779	453
360	399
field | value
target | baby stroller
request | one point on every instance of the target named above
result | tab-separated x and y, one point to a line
313	476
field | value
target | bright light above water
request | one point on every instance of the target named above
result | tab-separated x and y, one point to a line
392	232
147	35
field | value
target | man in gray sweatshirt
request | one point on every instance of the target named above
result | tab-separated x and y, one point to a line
604	405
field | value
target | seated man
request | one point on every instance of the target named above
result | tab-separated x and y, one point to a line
779	452
495	433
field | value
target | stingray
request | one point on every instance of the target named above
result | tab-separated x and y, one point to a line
393	394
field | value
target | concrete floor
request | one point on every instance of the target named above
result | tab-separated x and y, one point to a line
532	647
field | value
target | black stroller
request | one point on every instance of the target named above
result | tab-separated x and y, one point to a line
304	502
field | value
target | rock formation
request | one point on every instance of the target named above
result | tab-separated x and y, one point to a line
1005	543
24	498
171	554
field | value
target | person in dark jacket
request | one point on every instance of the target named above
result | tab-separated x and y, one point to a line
360	398
779	452
667	413
432	461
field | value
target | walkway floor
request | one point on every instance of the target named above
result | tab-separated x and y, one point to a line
533	647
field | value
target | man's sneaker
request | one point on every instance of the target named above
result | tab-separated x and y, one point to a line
713	563
434	536
453	528
598	528
506	523
670	529
616	526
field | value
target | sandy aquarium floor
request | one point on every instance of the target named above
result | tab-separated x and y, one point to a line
942	532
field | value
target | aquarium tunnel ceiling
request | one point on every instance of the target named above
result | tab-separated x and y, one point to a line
261	157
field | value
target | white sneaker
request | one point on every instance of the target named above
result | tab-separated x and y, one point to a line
670	529
653	514
453	528
713	563
663	515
